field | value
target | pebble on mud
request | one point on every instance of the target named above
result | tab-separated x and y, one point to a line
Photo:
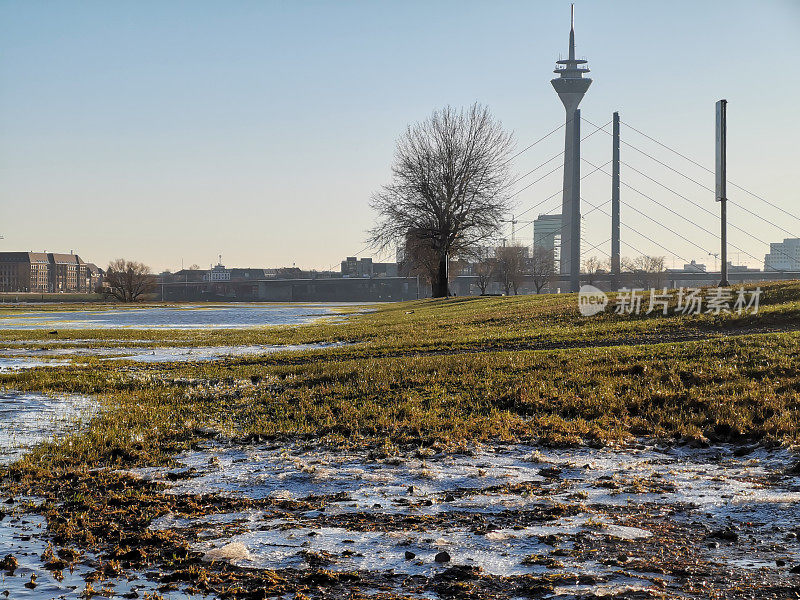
410	555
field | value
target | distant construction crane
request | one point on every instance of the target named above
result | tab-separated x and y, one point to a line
514	222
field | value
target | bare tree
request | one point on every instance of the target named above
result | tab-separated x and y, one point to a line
510	267
483	271
648	271
449	187
592	266
127	281
420	260
542	267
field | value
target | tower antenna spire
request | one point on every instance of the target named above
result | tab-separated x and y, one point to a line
572	32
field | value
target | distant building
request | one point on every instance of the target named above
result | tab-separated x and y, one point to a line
353	267
732	268
94	276
249	274
185	276
384	269
66	272
218	273
694	267
44	272
783	256
547	235
24	272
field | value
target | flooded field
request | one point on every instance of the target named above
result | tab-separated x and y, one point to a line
28	418
188	316
14	359
343	476
604	517
495	521
32	580
23	363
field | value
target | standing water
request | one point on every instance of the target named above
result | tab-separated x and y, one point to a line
28	419
183	316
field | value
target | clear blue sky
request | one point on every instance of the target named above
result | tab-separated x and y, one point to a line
174	130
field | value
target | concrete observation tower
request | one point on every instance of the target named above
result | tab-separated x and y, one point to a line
571	87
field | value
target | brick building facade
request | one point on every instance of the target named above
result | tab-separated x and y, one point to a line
46	272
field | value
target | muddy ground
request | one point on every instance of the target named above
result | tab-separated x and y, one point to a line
281	518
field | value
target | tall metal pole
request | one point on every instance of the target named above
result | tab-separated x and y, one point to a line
722	198
615	257
575	208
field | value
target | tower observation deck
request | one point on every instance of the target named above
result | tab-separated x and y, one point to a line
571	85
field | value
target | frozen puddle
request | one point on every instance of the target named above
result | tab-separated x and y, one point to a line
713	477
18	363
29	418
509	510
185	316
25	358
501	552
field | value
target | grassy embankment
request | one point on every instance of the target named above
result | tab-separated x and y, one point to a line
451	372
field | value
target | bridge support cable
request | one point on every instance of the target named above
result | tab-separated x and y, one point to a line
702	185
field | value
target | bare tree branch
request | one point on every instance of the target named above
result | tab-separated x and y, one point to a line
127	281
542	267
648	271
510	267
449	187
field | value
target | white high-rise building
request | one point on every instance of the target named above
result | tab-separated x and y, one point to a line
547	234
783	256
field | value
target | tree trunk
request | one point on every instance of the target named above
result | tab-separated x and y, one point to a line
440	284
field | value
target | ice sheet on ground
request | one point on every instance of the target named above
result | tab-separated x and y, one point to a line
162	354
701	477
29	418
383	551
492	482
16	363
188	316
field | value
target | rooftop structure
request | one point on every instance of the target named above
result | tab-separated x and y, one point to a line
783	256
